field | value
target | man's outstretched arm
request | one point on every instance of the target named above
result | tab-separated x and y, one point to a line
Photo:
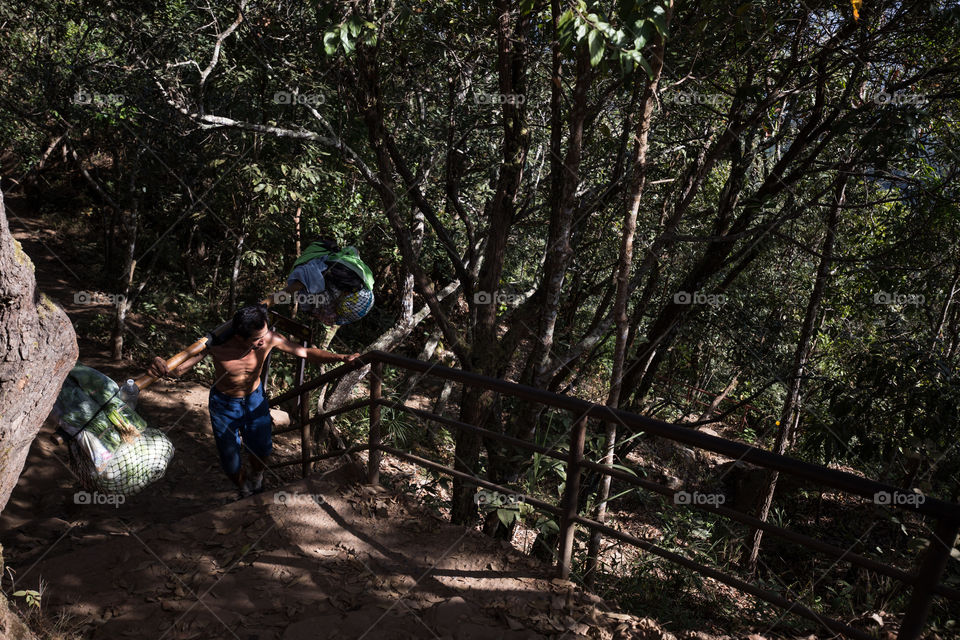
159	369
317	356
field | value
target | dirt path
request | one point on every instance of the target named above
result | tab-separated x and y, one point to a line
312	559
321	560
318	558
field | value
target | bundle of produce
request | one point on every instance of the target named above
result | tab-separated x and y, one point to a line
112	449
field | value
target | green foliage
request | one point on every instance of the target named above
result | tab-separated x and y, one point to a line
508	507
31	597
346	35
626	32
759	107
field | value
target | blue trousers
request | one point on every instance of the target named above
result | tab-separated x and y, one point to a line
239	422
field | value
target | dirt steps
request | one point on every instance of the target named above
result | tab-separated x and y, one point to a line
319	560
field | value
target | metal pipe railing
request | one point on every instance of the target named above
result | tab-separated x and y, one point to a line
321	456
787	534
925	581
571	491
833	478
517	442
733	581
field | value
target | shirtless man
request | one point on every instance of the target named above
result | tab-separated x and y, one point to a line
239	413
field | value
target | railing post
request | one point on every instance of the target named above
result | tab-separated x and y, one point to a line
376	387
567	528
303	405
927	578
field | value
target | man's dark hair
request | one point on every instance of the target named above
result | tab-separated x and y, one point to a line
249	319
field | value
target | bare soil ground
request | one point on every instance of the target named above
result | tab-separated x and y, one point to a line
319	560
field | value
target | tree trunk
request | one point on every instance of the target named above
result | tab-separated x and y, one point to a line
10	622
559	250
565	182
485	355
130	222
296	251
213	298
790	416
708	413
235	274
37	349
938	330
188	259
387	341
806	148
631	208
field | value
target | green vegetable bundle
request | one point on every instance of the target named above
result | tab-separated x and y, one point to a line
136	463
113	450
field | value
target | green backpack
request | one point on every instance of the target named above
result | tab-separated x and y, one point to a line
348	257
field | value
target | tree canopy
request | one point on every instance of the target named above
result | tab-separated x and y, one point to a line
575	195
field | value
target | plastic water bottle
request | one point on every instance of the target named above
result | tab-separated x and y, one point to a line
129	393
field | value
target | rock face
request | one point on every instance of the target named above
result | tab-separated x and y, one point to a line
37	349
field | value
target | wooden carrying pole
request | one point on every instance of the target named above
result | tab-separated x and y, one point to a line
146	379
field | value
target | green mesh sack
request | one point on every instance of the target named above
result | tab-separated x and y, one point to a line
135	463
112	450
353	306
